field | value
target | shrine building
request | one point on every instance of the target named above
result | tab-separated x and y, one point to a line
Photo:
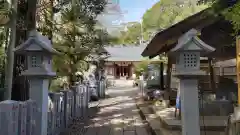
122	59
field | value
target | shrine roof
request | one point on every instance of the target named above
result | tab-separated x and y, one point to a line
215	31
170	35
125	52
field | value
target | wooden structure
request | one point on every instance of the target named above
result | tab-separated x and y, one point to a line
120	68
215	31
122	60
212	28
238	66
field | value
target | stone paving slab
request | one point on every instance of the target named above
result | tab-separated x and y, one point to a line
116	115
91	131
141	131
129	133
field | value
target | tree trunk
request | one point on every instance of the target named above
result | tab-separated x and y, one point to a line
10	53
26	22
31	14
4	72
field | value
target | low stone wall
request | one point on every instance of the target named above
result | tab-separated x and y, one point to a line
216	108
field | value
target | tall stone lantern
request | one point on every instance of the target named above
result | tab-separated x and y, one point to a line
38	50
187	53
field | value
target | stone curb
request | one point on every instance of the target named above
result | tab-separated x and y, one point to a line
149	128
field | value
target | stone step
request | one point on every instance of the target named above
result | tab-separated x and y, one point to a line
210	123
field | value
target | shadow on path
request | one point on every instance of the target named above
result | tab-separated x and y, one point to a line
116	115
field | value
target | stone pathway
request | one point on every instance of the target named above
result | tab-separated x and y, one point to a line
116	115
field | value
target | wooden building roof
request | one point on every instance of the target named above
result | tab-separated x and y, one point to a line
215	31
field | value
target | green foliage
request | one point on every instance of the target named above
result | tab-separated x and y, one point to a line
74	34
162	15
57	84
233	15
133	33
141	67
3	42
168	12
229	9
5	12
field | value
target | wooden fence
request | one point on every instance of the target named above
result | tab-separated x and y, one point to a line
19	118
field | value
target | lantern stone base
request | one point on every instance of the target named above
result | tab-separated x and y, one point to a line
189	101
39	93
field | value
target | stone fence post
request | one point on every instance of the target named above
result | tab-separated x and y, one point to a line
31	117
65	115
9	117
74	100
22	118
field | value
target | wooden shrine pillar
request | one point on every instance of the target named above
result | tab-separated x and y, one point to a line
161	76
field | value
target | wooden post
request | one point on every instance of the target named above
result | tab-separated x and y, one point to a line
212	75
161	76
167	96
238	66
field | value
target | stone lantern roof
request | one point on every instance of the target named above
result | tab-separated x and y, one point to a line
184	44
36	43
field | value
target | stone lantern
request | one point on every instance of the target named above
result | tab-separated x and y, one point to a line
38	51
187	53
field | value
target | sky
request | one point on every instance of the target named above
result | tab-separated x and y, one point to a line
123	11
134	9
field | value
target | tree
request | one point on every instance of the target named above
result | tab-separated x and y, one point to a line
165	13
229	9
133	33
141	67
233	15
3	45
76	37
162	15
